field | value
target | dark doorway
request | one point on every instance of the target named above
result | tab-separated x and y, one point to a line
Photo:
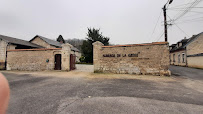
57	62
72	62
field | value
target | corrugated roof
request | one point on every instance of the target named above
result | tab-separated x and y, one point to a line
18	41
49	41
53	42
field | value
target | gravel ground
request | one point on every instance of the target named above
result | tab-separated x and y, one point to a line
87	93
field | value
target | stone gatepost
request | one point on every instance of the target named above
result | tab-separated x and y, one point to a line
66	51
97	46
3	49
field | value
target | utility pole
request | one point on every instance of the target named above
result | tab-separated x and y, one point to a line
165	24
165	20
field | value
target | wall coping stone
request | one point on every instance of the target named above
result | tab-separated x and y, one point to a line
41	49
131	45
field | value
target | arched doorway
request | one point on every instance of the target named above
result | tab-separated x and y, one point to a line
57	62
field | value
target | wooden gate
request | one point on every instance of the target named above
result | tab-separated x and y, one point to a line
57	62
72	62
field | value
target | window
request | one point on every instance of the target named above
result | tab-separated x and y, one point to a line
170	58
183	57
174	58
178	58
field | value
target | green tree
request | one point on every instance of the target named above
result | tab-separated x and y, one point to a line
93	35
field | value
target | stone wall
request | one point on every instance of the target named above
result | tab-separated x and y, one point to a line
42	43
132	59
11	46
30	60
38	59
3	46
78	55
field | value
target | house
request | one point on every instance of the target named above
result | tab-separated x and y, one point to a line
48	43
39	53
188	52
51	55
7	43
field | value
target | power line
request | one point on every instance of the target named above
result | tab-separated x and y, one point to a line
181	5
156	24
189	16
184	10
179	27
187	9
160	36
193	19
189	22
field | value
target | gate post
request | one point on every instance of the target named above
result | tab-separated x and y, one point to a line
97	46
66	51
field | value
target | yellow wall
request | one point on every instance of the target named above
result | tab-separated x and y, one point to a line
196	46
196	62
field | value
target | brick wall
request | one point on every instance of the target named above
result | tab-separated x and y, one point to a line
133	59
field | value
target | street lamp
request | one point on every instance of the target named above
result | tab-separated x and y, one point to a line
165	20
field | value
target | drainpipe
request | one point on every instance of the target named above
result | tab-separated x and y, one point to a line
6	57
186	56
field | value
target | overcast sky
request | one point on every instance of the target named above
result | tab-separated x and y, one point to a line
124	21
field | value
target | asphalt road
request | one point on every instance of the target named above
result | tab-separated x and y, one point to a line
34	94
192	73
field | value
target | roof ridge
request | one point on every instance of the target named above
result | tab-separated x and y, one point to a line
189	40
18	41
12	37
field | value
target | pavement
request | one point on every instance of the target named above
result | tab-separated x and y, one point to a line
81	92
